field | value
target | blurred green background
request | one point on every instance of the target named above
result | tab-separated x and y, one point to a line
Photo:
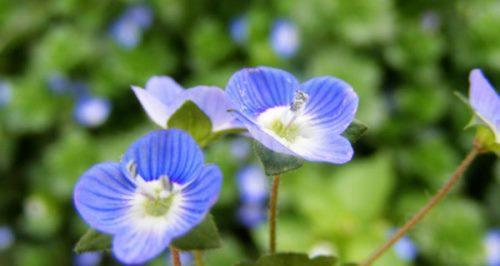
403	58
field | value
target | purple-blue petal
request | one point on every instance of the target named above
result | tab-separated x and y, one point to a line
254	90
213	102
137	246
328	147
332	103
484	99
102	195
165	89
203	191
172	153
259	134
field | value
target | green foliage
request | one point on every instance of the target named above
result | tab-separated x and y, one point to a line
291	259
93	241
203	236
276	163
355	130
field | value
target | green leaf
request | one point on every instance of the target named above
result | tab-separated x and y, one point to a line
192	120
204	236
355	130
291	259
93	241
276	163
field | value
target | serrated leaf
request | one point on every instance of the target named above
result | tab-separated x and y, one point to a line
93	241
192	120
291	259
276	163
355	130
204	236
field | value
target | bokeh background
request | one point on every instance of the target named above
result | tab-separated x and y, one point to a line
66	67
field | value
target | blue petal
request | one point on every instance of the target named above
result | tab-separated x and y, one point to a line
254	90
164	88
202	192
156	110
332	103
259	134
213	102
140	244
484	99
324	147
102	197
171	153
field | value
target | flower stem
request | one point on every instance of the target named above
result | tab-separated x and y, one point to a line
273	202
176	258
443	191
198	257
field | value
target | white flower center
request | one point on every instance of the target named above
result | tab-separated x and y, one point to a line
287	123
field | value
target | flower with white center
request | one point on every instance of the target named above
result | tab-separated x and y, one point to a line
252	185
92	111
162	97
486	102
159	191
492	244
305	120
285	38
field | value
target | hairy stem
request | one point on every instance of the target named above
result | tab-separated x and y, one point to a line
442	192
273	202
176	258
198	257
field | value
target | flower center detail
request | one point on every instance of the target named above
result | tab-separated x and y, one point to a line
288	132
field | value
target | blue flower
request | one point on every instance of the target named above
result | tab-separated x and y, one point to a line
6	238
252	184
485	102
305	120
252	215
492	243
128	29
163	97
91	111
88	259
406	249
285	38
5	93
59	84
238	29
240	148
159	191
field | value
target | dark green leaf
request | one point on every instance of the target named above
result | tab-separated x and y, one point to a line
292	259
93	241
192	120
355	130
204	236
276	163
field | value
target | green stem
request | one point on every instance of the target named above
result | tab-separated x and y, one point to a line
443	191
176	258
198	257
273	202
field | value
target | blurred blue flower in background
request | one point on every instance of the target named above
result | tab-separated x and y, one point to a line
5	92
162	97
6	237
88	259
238	29
128	29
430	20
252	184
492	243
186	258
485	102
91	111
285	39
160	190
59	84
304	120
240	148
253	188
405	248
